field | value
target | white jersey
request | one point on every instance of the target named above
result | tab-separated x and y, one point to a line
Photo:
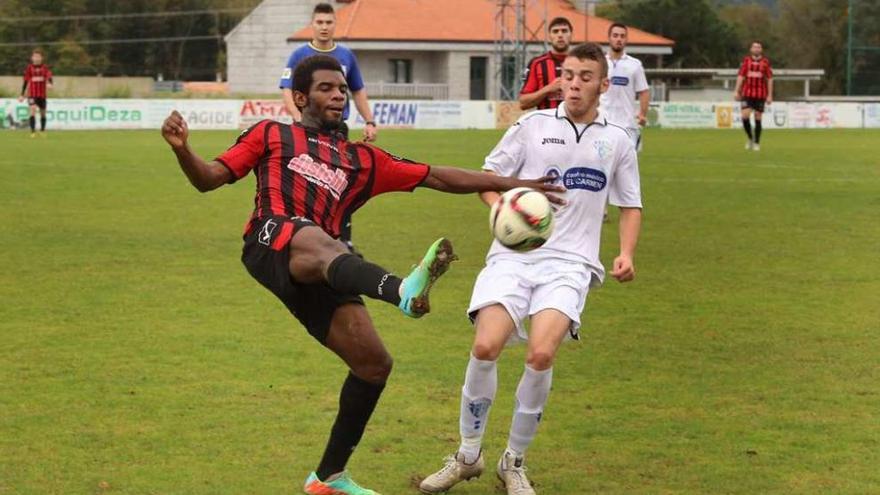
627	78
596	163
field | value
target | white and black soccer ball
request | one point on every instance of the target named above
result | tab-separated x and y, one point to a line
522	219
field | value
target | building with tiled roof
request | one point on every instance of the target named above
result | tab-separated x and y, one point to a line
440	49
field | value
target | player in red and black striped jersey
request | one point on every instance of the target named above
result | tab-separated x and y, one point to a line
308	179
754	88
543	86
37	80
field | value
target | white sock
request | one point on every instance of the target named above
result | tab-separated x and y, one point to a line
477	394
531	395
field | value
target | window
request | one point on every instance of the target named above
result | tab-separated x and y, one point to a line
401	70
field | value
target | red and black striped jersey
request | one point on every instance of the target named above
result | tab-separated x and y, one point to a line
36	77
320	176
755	73
540	72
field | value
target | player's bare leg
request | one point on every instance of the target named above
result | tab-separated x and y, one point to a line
549	328
747	126
353	338
493	327
316	257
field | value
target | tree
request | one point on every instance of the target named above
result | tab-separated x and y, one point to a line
702	39
749	22
814	36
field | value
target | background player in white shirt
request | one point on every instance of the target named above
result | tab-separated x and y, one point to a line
596	163
627	81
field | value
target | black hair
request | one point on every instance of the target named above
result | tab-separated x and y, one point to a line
557	21
617	25
590	51
323	8
302	75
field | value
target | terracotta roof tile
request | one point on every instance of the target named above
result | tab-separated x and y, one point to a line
458	21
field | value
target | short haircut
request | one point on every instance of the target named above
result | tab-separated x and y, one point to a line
617	25
560	21
37	50
590	51
756	41
302	75
323	8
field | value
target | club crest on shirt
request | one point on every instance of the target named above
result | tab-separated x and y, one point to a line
603	148
333	180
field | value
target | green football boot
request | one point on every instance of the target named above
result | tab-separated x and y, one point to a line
414	298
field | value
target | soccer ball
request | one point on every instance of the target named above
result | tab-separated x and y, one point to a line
521	219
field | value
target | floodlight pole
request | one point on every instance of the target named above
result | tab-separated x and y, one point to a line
849	30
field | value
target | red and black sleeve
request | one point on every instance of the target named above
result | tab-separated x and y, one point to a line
244	155
394	173
532	82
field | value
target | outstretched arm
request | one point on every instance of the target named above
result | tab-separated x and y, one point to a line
460	181
202	175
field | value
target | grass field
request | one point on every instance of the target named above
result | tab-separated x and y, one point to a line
138	357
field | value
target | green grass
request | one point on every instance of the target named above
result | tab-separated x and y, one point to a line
138	357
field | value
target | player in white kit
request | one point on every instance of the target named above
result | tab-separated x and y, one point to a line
627	81
596	163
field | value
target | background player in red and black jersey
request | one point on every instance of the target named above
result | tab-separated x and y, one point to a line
37	80
543	86
754	88
309	178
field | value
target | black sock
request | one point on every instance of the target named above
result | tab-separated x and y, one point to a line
757	131
356	403
33	122
747	125
43	123
351	274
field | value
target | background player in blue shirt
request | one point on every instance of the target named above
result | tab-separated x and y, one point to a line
324	27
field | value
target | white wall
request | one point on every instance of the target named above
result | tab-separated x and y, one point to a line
257	48
428	67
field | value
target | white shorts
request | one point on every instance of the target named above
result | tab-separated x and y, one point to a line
524	289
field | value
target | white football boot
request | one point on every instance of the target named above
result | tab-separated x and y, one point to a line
453	472
512	473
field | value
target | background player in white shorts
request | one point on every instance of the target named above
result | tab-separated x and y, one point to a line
596	162
627	80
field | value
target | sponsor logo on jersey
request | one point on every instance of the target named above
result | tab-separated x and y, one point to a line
333	180
322	143
553	173
619	80
589	179
553	141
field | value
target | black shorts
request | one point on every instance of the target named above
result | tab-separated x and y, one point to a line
266	255
753	103
40	102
